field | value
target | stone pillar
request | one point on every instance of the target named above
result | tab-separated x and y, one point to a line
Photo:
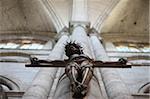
79	17
79	35
79	12
60	71
44	79
79	27
115	87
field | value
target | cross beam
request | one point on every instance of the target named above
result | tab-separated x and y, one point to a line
60	63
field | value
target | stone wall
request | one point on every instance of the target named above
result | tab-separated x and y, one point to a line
18	73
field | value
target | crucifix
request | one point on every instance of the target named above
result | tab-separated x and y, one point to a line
79	67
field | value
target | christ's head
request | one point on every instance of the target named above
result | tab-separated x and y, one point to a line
73	48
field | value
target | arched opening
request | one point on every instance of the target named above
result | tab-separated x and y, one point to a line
7	84
145	88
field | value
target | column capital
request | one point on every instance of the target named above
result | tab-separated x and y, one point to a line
94	32
64	31
74	24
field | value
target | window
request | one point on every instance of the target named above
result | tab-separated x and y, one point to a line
132	49
146	49
21	46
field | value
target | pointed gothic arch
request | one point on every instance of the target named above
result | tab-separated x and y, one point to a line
145	88
8	83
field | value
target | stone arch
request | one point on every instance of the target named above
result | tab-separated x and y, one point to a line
145	88
10	84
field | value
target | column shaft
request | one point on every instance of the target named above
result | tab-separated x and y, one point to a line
115	87
43	81
79	12
79	35
63	91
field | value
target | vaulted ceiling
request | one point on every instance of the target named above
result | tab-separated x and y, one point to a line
128	22
21	19
115	20
24	15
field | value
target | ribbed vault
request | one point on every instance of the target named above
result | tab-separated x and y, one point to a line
22	19
128	22
26	15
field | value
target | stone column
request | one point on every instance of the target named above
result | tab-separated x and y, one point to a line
115	87
43	81
79	12
63	90
79	27
79	17
79	35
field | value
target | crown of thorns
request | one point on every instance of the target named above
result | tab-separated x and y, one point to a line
77	48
